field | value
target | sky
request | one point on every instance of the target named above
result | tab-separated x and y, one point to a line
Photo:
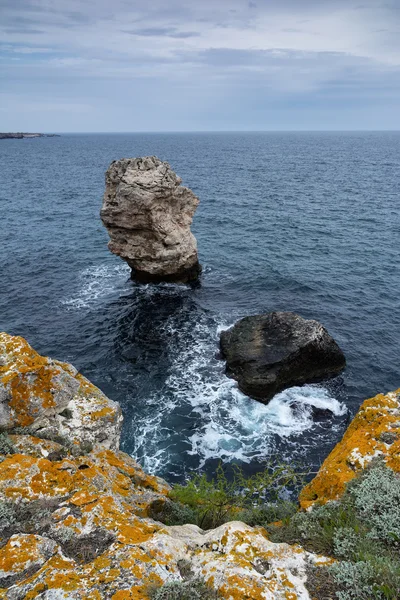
205	65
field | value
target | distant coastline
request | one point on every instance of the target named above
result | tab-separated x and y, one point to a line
21	136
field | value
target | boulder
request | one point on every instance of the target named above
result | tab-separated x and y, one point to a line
50	399
269	353
148	213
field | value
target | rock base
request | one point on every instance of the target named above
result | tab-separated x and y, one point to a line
189	275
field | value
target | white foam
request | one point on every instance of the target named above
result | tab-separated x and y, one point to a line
227	424
97	282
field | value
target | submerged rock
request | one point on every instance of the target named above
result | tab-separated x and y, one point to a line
269	353
74	520
148	213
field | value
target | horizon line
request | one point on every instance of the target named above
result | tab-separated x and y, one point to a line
211	131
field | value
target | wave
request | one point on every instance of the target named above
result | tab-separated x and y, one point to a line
200	414
98	282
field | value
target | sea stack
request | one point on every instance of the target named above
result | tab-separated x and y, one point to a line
148	213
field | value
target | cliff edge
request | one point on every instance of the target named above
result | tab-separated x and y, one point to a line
74	509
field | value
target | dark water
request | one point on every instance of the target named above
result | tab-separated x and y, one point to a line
307	222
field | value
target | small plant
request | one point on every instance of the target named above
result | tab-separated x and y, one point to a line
194	589
172	513
216	501
362	531
6	445
7	514
264	515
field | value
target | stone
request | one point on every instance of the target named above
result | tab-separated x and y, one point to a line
75	522
148	213
269	353
22	556
374	433
50	399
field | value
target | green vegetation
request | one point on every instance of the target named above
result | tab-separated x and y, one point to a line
257	500
362	531
194	589
6	445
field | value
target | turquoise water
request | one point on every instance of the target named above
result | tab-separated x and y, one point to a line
307	222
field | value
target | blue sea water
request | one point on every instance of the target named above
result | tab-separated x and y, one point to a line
307	222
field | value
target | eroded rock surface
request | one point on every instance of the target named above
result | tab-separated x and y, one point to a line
50	399
148	213
269	353
74	518
374	433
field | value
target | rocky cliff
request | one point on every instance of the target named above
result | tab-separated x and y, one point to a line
148	213
74	509
374	433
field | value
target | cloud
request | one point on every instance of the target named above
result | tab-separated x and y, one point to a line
199	57
162	31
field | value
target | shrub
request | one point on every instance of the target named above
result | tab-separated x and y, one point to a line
376	498
216	501
6	445
262	516
194	589
7	514
362	530
172	513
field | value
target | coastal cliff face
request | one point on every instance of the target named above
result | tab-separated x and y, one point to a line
148	213
74	509
374	433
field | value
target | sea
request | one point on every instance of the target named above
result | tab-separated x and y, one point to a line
303	222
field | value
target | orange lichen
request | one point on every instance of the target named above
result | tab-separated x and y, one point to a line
19	552
83	497
103	412
27	375
134	593
362	442
242	587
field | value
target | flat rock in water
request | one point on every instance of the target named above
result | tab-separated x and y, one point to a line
269	353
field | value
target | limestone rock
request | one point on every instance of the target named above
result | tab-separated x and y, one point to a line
75	524
22	556
269	353
240	562
50	399
148	213
373	433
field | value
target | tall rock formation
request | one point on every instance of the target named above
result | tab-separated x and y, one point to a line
148	213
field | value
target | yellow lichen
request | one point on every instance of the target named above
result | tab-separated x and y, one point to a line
360	444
